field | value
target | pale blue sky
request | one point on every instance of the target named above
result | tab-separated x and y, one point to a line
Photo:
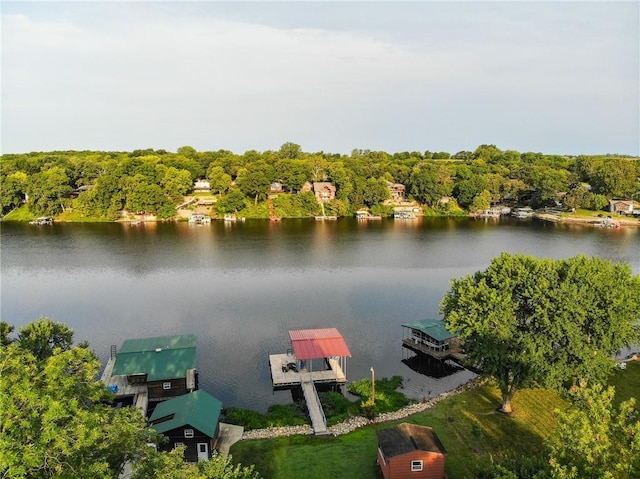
555	77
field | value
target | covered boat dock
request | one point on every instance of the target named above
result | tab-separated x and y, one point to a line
431	337
316	356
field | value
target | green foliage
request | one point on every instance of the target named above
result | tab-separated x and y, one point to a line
13	191
171	465
301	205
509	177
387	397
616	178
375	192
233	202
481	202
336	407
509	466
276	415
5	330
219	181
48	191
525	321
42	337
594	439
54	418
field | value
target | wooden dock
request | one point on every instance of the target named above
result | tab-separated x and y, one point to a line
139	392
314	407
454	352
286	379
285	374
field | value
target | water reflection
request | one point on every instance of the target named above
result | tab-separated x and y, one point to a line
240	287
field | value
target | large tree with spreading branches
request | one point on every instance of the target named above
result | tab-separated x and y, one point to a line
526	321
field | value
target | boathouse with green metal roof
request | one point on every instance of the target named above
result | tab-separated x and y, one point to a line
166	364
430	336
190	420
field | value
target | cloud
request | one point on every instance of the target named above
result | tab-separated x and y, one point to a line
166	77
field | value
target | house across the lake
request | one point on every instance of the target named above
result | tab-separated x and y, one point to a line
324	191
190	420
409	451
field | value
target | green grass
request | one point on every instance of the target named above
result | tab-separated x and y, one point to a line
20	214
468	425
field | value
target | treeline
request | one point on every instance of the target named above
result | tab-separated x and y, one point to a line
102	184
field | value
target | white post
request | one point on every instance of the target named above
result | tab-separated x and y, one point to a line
373	386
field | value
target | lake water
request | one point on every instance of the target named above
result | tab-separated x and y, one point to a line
240	287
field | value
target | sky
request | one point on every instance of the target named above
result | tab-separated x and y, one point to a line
552	77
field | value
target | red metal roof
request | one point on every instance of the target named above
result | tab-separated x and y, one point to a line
318	343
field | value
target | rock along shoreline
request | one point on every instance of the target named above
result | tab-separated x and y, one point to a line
356	422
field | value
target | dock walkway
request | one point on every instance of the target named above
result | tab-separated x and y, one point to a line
316	413
454	352
284	377
139	392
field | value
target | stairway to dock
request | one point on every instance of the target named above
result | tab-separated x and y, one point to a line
316	414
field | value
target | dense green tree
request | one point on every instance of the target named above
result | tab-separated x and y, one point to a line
233	202
171	465
256	180
43	336
547	182
486	152
5	330
481	202
290	151
585	167
430	182
375	192
55	421
578	197
293	174
340	176
187	151
528	321
176	182
149	198
48	191
13	191
465	191
616	178
218	179
594	439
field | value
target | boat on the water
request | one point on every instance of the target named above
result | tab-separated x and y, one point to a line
404	215
366	215
522	213
199	219
42	221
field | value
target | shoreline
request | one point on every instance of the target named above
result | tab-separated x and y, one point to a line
548	217
356	422
587	220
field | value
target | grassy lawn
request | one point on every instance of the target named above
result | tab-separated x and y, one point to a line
467	424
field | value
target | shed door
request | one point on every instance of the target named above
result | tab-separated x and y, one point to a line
203	451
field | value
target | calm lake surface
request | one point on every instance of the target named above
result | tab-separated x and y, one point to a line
241	287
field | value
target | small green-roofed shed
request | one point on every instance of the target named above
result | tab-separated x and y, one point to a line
199	410
160	358
434	328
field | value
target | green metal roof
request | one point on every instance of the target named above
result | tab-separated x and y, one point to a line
164	357
431	327
198	409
